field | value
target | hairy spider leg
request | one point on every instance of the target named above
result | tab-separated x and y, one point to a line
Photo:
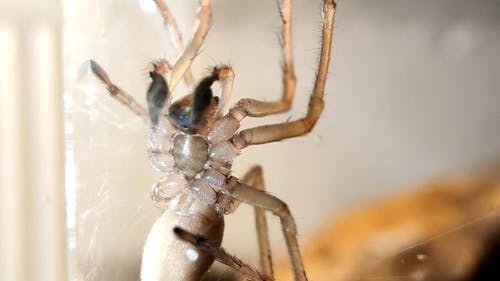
257	108
186	59
175	35
261	199
276	132
116	92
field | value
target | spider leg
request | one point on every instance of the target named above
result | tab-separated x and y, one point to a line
224	74
276	132
256	108
175	35
184	61
254	178
260	199
116	92
221	255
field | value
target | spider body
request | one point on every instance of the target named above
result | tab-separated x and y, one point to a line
195	139
191	195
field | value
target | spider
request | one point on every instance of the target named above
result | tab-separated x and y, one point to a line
195	139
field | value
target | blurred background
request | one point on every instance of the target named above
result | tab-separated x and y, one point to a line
33	243
412	93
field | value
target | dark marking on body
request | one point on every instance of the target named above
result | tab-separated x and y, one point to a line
156	96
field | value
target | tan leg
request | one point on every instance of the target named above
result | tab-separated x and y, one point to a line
175	35
258	108
254	178
221	255
225	75
275	132
266	201
116	92
184	61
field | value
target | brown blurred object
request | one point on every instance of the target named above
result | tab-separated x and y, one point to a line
443	230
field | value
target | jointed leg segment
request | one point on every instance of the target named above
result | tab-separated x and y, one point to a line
175	35
261	199
116	92
275	132
254	178
225	75
256	108
182	64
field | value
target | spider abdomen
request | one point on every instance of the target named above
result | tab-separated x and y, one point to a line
168	258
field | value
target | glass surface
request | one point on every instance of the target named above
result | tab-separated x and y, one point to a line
409	96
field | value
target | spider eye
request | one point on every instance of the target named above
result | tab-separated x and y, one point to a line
156	96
